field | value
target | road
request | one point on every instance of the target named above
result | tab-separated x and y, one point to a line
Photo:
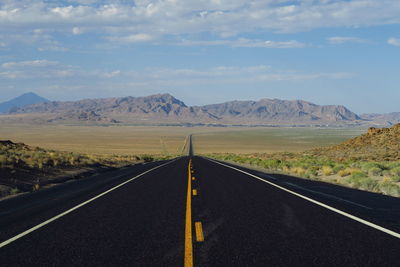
194	211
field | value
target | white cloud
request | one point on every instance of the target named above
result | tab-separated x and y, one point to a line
77	30
39	38
133	38
44	70
35	69
393	41
343	40
33	63
242	42
147	20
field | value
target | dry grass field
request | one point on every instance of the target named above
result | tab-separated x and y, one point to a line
122	140
268	140
170	140
128	140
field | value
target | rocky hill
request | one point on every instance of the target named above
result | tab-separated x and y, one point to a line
378	144
164	108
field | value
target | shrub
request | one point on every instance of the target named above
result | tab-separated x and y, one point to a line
14	191
395	172
311	173
338	168
366	166
356	178
362	181
56	162
298	170
395	179
147	158
3	161
254	161
35	187
285	169
375	171
271	164
345	172
389	188
370	184
327	170
393	165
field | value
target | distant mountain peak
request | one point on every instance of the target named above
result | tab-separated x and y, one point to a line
21	101
29	94
167	98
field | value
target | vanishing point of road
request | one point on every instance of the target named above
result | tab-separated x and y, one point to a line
194	211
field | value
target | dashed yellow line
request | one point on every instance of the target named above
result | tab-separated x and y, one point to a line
188	261
199	232
194	191
193	178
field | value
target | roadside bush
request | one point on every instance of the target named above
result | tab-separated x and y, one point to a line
254	161
375	171
389	188
395	174
395	179
362	181
298	170
147	158
366	166
3	161
272	164
370	184
338	168
311	173
356	178
14	191
393	165
286	169
327	170
343	173
346	172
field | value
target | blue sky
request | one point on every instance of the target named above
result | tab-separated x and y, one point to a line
204	51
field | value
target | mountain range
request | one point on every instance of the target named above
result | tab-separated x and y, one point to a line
21	101
382	119
166	109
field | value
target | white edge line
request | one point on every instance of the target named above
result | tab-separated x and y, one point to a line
370	224
4	243
327	195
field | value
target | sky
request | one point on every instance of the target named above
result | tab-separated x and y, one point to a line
204	51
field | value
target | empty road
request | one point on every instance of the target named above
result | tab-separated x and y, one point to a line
195	211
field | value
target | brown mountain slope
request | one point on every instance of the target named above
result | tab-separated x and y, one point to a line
275	110
378	144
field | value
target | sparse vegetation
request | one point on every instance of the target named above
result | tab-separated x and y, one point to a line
361	175
374	169
26	168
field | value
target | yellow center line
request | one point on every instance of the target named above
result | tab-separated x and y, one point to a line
188	226
199	232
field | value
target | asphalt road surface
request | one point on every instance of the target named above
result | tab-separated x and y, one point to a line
194	211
